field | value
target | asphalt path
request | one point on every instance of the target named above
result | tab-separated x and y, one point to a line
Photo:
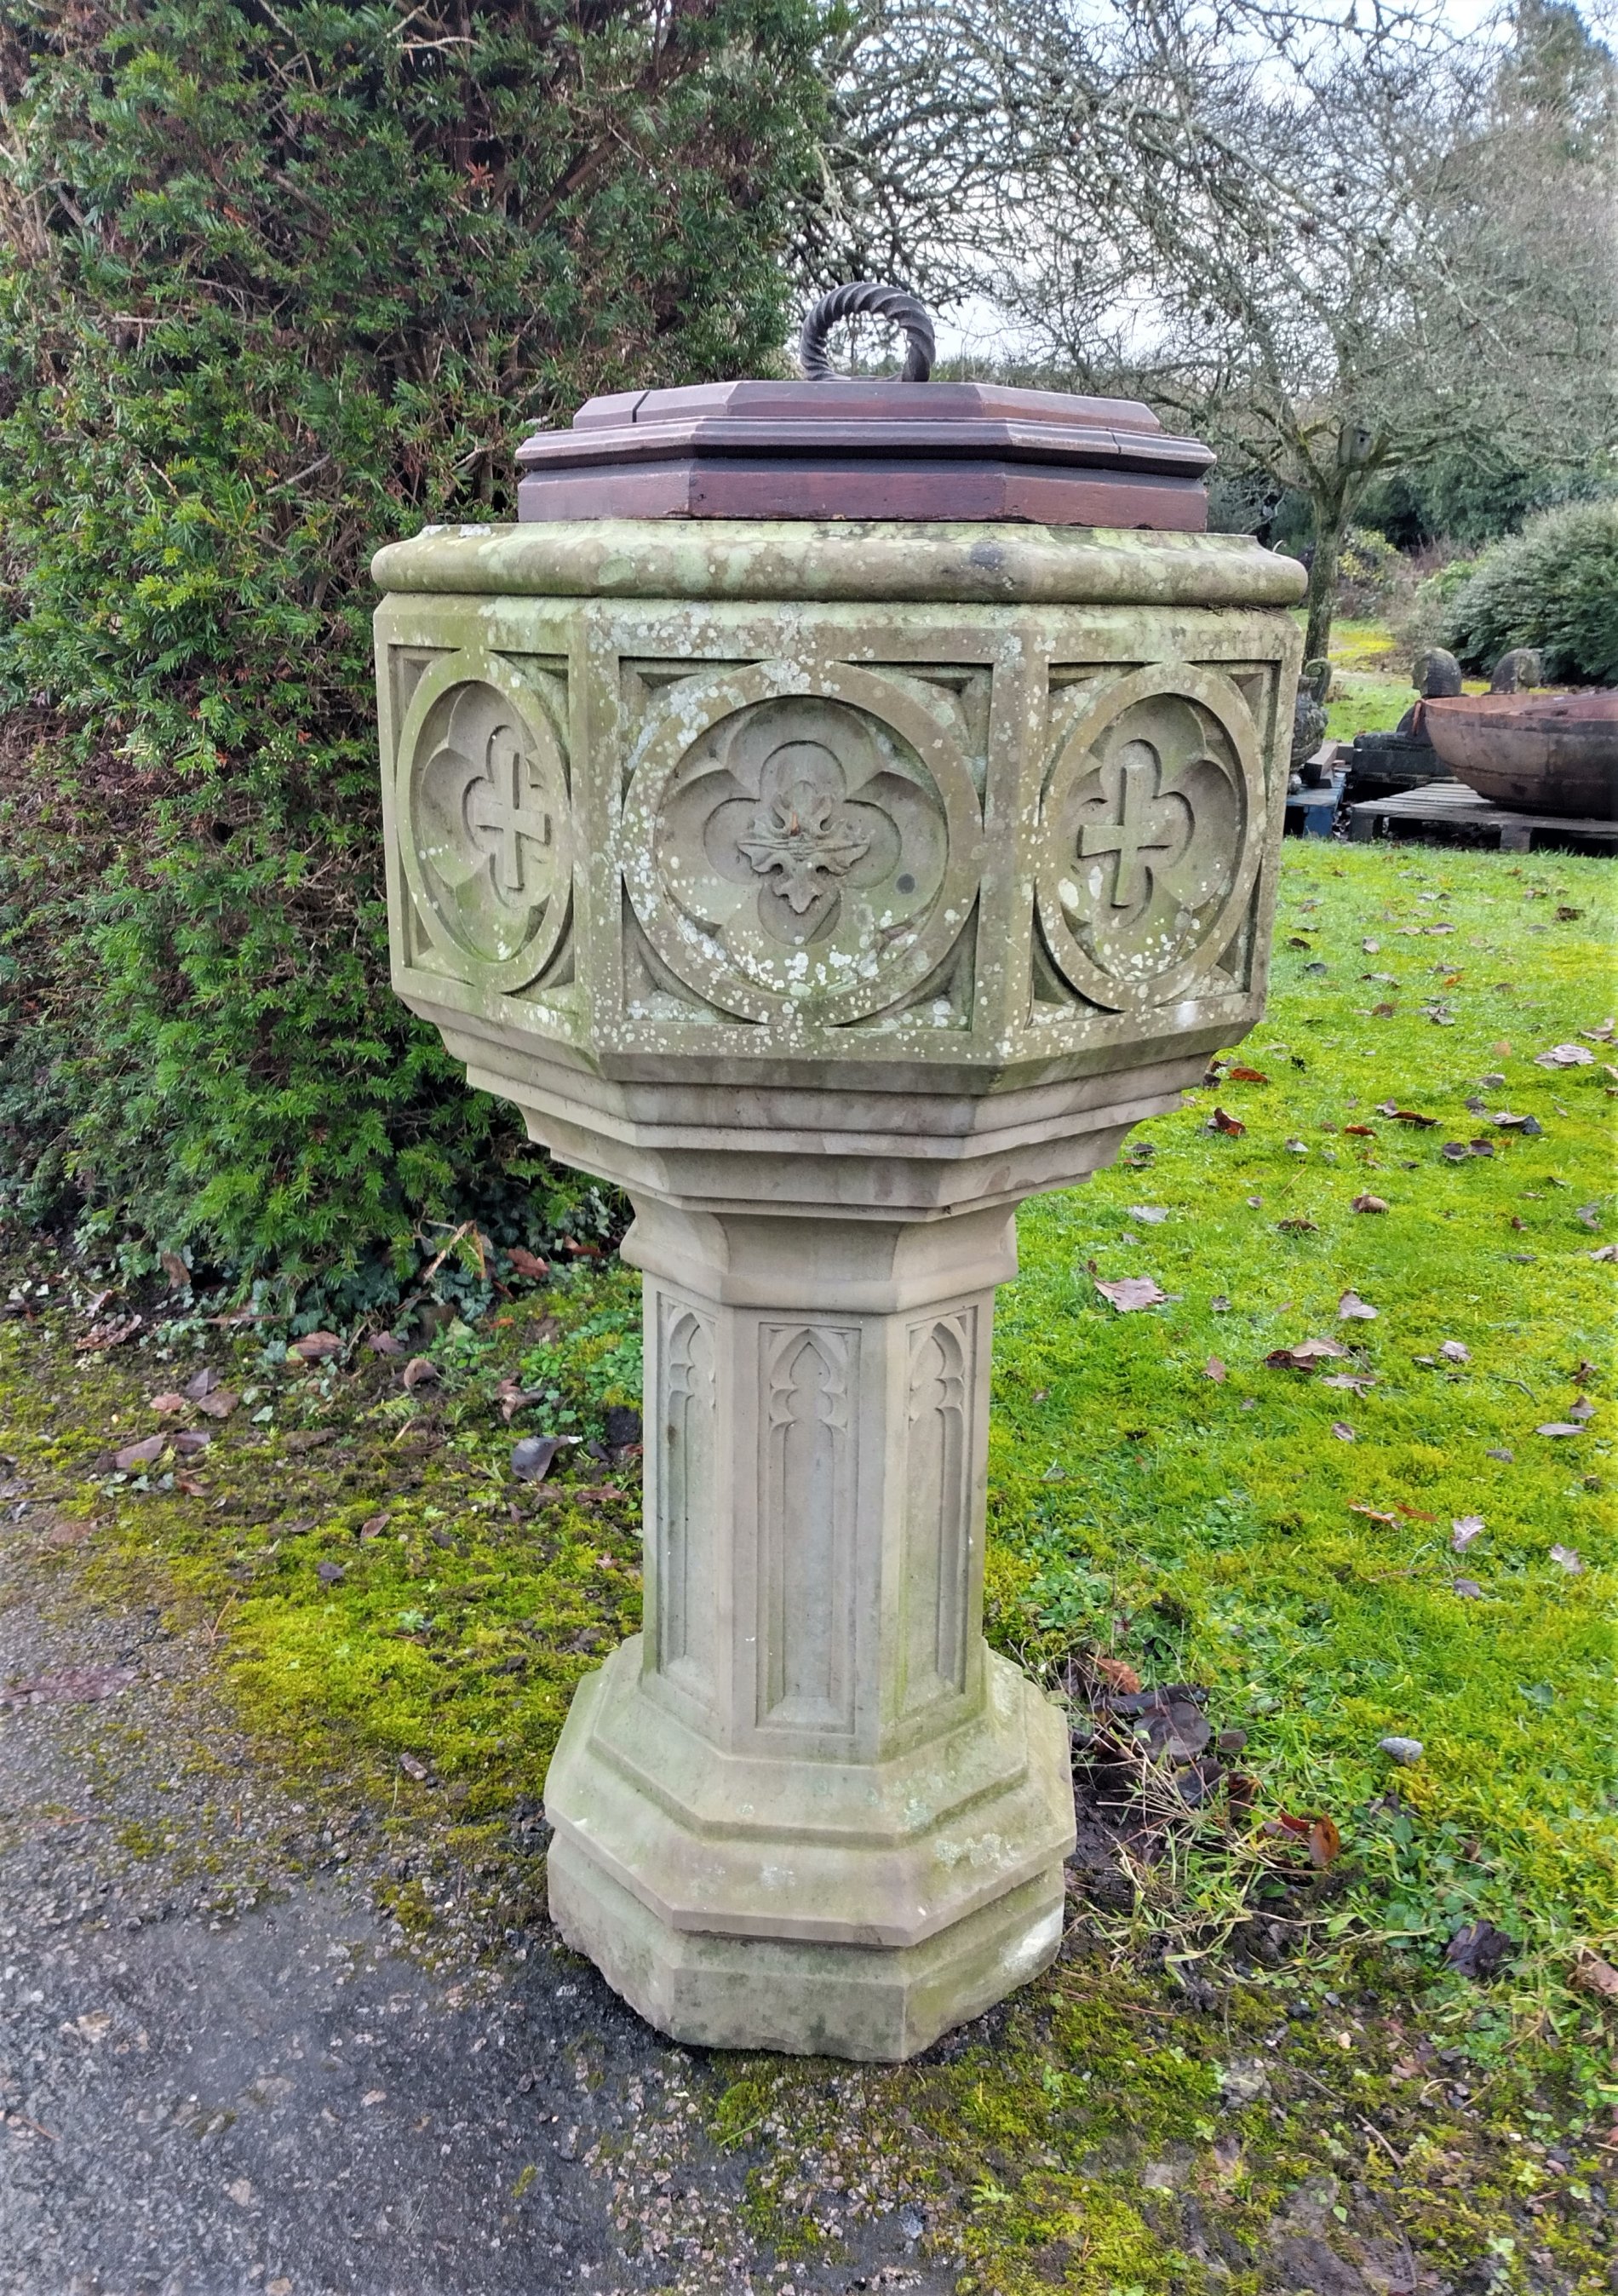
222	2073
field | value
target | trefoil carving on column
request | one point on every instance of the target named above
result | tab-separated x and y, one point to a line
937	1509
806	1531
686	1496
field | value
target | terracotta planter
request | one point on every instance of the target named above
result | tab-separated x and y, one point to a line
1537	752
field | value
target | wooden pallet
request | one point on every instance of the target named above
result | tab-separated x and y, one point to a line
1449	809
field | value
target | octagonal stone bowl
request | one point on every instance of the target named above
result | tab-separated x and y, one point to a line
1536	752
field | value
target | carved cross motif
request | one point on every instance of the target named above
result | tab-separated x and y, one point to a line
1143	826
802	830
502	813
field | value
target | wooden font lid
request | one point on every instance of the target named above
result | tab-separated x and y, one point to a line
835	449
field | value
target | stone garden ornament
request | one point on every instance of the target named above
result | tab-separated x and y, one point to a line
834	811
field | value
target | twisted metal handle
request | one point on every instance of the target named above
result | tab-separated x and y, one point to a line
885	303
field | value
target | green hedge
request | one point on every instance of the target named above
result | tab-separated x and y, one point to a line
277	284
1554	586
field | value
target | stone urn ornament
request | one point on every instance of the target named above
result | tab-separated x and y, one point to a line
834	811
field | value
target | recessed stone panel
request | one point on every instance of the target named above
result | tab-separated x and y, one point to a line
1151	832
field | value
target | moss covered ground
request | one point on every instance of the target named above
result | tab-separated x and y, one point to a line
1198	2094
1371	687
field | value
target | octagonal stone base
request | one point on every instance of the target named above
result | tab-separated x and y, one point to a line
915	1906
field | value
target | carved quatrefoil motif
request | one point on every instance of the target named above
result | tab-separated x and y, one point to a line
789	849
1150	833
485	822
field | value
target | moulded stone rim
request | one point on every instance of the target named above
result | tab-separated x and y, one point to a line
656	1830
483	665
870	2003
985	1731
1224	701
881	561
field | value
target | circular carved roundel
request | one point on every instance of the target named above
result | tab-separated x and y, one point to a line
788	849
1151	832
485	829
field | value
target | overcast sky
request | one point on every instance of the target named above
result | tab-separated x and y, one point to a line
978	330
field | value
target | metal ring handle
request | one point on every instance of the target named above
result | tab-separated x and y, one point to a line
885	303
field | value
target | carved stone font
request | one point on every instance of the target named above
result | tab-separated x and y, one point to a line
830	890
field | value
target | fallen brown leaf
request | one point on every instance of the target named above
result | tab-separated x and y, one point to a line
143	1454
528	1263
68	1684
1220	1121
1595	1975
1216	1370
112	1333
1304	1356
1128	1293
316	1347
1325	1842
1118	1675
530	1459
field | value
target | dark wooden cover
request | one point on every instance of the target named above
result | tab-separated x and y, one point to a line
846	450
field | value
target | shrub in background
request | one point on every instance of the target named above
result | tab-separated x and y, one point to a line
1555	586
1370	575
1419	616
277	285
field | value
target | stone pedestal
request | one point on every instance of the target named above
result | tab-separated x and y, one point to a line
831	890
811	1744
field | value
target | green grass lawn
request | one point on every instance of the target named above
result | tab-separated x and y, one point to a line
1371	688
1210	1529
